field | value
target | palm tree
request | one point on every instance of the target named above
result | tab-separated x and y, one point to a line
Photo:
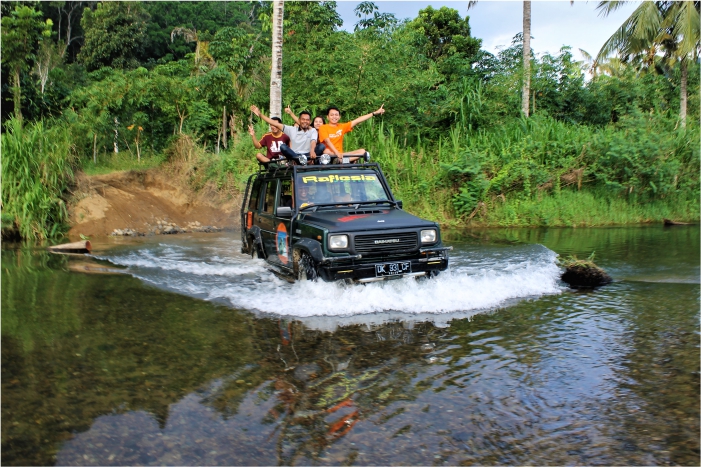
276	69
611	66
526	87
670	27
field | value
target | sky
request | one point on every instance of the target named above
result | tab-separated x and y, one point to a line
553	23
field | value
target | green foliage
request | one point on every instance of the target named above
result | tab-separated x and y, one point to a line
452	142
22	31
445	34
647	157
114	35
208	17
37	167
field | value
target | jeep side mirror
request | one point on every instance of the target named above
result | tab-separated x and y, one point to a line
284	211
400	204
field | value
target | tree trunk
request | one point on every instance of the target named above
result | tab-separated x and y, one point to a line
276	71
116	135
223	129
17	96
683	97
526	91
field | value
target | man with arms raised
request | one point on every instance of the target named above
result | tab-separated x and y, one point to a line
272	142
332	133
303	139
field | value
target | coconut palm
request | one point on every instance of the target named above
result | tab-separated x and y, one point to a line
526	87
612	66
276	69
670	28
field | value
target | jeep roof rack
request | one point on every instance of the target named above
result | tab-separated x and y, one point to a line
274	167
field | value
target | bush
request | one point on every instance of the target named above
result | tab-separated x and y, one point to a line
37	168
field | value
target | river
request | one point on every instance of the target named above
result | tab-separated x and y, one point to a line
193	354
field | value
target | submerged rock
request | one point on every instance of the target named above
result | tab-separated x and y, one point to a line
581	273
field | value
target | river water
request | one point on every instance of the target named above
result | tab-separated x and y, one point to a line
193	354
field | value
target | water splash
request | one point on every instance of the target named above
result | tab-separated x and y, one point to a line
481	278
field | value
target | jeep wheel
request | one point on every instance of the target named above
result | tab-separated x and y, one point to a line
304	266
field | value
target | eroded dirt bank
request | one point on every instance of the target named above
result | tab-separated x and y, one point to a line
147	202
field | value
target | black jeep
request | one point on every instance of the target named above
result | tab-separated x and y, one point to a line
336	222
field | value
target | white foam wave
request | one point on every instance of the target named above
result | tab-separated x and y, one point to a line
211	267
450	292
480	279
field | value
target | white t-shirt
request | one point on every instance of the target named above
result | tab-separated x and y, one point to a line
300	141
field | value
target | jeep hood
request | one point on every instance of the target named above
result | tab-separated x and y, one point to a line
348	220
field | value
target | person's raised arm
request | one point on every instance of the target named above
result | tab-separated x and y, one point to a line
289	112
269	121
252	132
361	119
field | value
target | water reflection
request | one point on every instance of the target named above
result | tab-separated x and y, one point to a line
104	370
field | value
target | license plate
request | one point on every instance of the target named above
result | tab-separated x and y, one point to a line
392	269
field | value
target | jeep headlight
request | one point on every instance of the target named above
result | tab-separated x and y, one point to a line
428	236
338	242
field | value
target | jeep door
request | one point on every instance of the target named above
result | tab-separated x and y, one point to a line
275	227
266	219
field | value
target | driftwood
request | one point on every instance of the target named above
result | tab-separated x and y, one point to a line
75	247
91	268
671	222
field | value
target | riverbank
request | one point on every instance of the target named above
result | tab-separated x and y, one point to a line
154	201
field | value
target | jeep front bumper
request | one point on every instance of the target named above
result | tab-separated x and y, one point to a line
367	269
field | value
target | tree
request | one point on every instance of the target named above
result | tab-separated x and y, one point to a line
203	59
114	35
22	31
526	85
670	27
66	17
526	88
276	59
49	57
203	16
371	18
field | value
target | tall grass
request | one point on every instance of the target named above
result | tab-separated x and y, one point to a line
37	168
540	171
226	171
586	208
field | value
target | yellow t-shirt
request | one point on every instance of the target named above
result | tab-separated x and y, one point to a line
335	134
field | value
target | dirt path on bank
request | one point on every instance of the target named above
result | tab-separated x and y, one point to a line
147	202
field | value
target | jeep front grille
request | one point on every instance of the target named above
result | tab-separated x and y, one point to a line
386	242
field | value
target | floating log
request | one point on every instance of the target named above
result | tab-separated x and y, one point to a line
91	268
671	222
75	247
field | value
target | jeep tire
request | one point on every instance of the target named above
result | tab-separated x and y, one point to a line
304	266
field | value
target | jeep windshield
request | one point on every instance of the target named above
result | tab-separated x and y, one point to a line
341	187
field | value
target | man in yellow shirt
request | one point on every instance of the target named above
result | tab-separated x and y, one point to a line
332	133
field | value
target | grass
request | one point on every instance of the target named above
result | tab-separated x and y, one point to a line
37	168
591	207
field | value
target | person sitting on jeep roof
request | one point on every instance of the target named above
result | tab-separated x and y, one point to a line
302	139
332	133
271	141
